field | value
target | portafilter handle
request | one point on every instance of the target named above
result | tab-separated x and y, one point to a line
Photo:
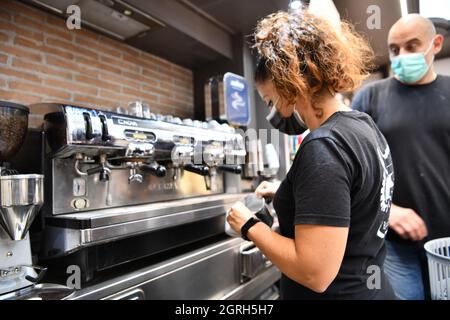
154	169
200	170
236	169
102	171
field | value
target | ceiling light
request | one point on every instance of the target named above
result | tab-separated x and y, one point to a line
404	7
435	9
295	5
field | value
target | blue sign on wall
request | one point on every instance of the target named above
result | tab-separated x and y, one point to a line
236	99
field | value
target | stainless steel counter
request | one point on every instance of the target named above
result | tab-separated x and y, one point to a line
213	272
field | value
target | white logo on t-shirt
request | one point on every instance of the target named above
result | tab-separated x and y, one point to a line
387	188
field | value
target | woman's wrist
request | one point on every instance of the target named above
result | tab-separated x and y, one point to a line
248	225
256	230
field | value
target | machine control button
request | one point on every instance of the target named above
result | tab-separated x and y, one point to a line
79	203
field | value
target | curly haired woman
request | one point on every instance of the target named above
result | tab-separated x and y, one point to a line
333	205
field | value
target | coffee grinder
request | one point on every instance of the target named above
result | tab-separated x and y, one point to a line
21	197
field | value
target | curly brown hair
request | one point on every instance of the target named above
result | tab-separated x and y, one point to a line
302	54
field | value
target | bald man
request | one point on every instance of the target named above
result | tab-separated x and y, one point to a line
412	109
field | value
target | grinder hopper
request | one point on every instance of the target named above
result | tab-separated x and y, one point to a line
21	197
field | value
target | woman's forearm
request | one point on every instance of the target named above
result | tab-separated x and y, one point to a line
282	252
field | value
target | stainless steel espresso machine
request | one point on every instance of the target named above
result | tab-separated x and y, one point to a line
125	193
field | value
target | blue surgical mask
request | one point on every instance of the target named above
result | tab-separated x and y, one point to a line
292	125
410	68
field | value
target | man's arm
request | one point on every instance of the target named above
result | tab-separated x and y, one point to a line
407	223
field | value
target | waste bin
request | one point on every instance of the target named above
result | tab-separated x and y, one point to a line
438	254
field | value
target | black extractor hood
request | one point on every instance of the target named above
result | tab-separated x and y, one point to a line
114	18
167	28
191	33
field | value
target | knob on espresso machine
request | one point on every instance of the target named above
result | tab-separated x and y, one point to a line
105	131
102	171
153	169
236	169
198	169
88	126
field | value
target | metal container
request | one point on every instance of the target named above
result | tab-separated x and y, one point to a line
253	261
21	197
259	207
271	161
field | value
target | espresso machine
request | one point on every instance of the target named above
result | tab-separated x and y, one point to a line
21	197
135	206
122	187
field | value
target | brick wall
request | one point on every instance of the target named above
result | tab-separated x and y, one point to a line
42	61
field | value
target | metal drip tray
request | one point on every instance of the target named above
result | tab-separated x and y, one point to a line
40	292
114	216
68	233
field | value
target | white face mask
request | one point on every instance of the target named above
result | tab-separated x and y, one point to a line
292	125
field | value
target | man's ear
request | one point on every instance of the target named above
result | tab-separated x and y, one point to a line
438	44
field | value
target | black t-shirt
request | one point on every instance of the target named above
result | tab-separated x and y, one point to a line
341	176
416	123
